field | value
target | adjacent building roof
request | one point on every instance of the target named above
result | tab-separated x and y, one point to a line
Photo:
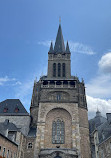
8	139
12	107
4	126
102	125
104	131
32	132
96	121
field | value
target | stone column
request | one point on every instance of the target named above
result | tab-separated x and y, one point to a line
62	84
55	84
39	143
68	84
48	83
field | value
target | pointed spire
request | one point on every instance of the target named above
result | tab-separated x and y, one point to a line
59	44
67	48
51	48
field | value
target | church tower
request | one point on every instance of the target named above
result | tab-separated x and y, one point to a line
59	109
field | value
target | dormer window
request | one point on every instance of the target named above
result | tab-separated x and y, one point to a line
16	109
12	135
5	110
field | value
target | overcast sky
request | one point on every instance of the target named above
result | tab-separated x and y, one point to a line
28	26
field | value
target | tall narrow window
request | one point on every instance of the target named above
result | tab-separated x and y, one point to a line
58	132
63	70
59	70
58	97
54	70
8	154
3	152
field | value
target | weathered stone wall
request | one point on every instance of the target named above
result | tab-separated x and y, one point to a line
83	118
28	152
21	122
71	92
84	133
66	118
8	145
59	58
105	149
44	109
34	115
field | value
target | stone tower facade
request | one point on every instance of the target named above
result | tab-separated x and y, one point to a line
59	109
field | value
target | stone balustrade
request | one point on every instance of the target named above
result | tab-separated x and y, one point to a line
58	84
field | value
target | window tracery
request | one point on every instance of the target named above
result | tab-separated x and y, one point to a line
58	132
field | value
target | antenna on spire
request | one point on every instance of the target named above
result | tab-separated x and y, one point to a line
59	20
97	109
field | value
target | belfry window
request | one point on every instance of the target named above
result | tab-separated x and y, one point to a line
63	70
59	70
54	70
58	132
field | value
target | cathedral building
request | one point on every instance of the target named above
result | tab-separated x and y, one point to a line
59	108
57	126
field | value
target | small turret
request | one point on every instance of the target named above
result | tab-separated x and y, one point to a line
98	113
51	50
67	48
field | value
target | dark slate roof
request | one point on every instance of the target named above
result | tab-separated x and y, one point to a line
102	125
8	106
7	125
96	122
32	132
104	131
59	43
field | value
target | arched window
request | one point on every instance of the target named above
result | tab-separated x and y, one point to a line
59	70
30	146
54	70
63	70
58	132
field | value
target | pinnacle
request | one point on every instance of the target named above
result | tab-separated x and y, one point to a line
51	48
67	48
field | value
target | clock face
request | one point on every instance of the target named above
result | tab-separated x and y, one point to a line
59	55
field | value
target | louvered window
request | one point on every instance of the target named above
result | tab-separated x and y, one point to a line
59	70
63	70
54	70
